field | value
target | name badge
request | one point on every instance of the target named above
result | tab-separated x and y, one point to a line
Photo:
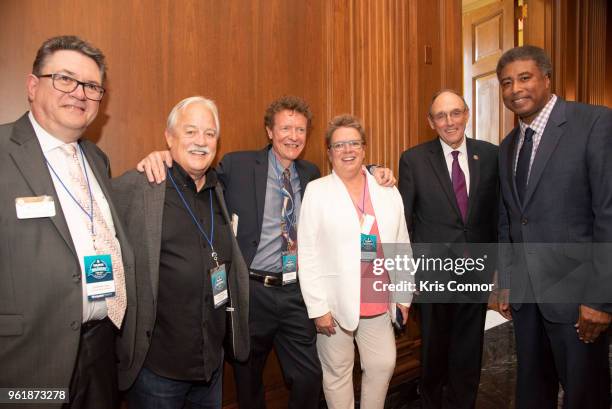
99	277
368	247
367	223
218	283
289	267
34	207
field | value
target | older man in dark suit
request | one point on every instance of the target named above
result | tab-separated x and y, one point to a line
65	264
191	276
556	216
450	191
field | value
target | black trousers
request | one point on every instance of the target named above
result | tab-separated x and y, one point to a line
549	353
278	318
451	354
94	380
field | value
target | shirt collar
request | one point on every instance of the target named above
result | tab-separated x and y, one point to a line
273	160
447	149
540	121
47	141
183	179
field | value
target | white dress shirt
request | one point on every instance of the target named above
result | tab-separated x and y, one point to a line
462	158
78	223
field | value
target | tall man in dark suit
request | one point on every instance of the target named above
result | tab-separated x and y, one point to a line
189	271
263	191
65	263
556	183
450	190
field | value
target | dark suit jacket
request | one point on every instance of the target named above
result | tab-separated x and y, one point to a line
140	205
431	209
244	176
568	204
40	277
432	213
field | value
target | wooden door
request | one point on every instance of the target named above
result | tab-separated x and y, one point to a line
488	31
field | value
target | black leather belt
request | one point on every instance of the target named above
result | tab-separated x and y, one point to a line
89	325
267	278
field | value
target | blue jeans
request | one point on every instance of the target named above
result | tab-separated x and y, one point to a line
151	391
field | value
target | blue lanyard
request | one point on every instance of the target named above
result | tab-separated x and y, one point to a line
195	220
362	208
90	215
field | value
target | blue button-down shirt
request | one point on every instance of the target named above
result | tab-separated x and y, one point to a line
268	256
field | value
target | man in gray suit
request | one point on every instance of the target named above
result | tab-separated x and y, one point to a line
555	227
192	279
65	264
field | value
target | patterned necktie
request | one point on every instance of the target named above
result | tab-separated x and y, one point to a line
522	165
103	240
459	186
288	217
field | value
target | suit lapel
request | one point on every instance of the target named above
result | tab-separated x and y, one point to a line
436	159
304	177
474	167
510	155
29	159
154	197
260	178
548	143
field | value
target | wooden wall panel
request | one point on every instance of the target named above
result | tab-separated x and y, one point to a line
577	35
160	52
378	59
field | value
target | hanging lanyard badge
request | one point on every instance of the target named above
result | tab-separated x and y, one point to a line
218	274
367	241
98	268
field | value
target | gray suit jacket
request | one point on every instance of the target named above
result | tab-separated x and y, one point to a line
561	234
40	276
140	205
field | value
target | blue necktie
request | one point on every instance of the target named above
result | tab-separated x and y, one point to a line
522	165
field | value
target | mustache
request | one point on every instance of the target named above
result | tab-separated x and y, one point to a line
198	149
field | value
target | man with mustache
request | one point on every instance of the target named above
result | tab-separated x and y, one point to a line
190	273
263	189
556	225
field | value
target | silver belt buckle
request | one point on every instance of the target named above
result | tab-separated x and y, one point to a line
268	281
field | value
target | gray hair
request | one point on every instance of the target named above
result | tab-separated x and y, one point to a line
208	103
71	43
525	53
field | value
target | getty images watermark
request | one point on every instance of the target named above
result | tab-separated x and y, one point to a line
406	265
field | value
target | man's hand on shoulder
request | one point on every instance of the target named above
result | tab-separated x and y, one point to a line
154	165
383	176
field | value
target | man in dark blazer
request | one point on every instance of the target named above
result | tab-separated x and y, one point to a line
52	335
556	184
450	191
176	341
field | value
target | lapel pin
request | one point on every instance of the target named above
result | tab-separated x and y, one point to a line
475	157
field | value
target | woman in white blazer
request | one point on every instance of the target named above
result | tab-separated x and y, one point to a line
341	215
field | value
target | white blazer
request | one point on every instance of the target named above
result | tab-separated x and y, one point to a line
329	254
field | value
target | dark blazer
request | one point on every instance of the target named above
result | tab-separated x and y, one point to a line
40	276
431	209
140	205
244	176
568	200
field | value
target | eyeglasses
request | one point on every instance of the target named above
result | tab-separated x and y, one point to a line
440	117
339	146
67	84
